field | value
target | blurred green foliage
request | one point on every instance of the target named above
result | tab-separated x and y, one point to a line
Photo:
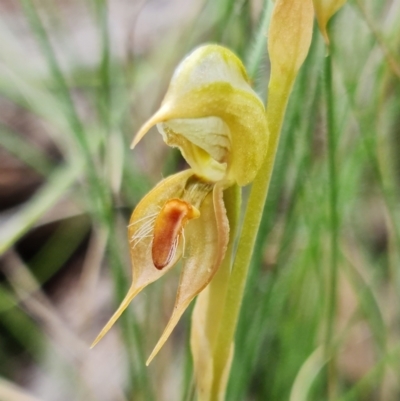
334	197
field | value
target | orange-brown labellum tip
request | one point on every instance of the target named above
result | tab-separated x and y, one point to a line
168	228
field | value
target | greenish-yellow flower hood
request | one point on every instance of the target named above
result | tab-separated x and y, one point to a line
213	115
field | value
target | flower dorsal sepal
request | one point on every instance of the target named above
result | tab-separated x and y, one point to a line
212	114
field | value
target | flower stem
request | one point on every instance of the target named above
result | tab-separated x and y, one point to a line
334	224
277	101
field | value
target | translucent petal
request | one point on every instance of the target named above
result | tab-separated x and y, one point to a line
206	242
212	82
204	142
140	237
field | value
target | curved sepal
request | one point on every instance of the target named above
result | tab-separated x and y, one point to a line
206	242
140	236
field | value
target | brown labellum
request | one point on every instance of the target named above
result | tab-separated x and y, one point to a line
168	228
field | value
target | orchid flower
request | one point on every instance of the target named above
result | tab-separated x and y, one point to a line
218	122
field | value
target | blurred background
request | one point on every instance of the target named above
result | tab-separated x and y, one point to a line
77	79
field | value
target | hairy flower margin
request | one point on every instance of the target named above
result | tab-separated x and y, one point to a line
213	116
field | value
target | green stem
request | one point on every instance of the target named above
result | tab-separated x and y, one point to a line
277	102
332	278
